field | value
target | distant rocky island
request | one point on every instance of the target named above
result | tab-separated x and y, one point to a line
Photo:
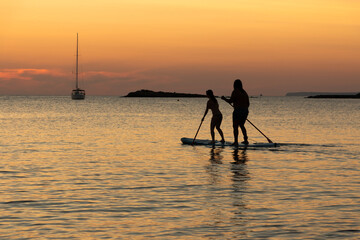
335	96
149	93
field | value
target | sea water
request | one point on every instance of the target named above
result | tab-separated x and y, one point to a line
114	168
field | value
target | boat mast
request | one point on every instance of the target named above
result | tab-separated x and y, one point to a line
77	60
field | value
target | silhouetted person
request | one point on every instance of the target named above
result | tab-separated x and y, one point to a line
240	101
217	116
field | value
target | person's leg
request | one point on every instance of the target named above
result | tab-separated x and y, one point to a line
212	127
236	132
218	124
243	130
235	127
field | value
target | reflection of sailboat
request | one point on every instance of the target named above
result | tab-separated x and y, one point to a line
77	93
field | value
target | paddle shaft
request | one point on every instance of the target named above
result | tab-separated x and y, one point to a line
259	131
255	127
197	132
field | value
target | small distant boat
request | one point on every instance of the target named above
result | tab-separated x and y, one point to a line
77	93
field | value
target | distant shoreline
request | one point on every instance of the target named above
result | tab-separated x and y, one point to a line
149	93
307	94
335	96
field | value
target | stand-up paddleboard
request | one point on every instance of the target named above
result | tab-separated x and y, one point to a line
189	141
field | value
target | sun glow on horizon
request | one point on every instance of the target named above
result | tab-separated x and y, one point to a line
314	43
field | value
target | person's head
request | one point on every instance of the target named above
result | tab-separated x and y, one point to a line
238	84
210	95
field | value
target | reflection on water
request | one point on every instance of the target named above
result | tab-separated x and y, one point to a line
239	169
219	174
240	158
213	169
240	177
114	168
215	155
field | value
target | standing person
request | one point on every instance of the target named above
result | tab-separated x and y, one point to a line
240	100
217	116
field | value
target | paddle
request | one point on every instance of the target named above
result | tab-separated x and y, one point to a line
255	127
259	131
197	131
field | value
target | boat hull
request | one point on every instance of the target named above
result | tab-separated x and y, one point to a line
78	94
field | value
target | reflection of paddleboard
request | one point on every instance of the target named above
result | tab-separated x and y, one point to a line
189	141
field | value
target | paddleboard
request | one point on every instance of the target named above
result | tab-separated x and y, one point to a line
189	141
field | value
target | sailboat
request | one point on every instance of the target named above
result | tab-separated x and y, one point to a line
77	93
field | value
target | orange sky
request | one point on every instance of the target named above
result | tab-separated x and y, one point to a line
275	47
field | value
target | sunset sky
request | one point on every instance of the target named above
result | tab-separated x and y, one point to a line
190	46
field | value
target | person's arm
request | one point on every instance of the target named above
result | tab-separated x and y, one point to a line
247	100
206	111
230	100
225	99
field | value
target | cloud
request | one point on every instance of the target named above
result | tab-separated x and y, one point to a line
23	74
32	81
27	73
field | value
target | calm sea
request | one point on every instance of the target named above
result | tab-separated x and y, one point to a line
114	168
